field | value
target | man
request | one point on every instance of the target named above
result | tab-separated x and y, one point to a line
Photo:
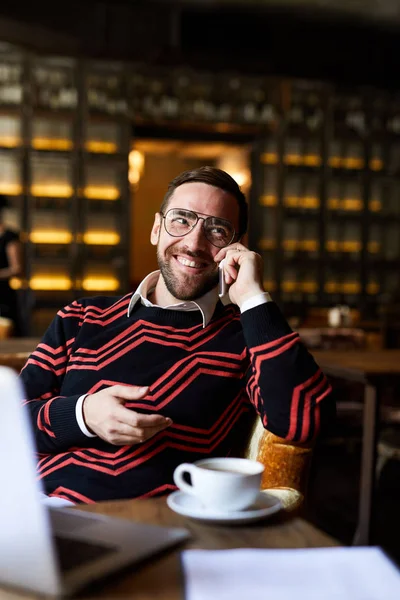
122	390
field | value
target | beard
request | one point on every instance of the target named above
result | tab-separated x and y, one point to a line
185	287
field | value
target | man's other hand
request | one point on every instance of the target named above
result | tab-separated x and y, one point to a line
106	416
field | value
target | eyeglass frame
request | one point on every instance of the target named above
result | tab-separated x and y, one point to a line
198	218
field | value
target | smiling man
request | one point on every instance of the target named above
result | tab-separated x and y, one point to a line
122	390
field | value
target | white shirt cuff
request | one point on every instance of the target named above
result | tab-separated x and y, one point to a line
255	301
79	417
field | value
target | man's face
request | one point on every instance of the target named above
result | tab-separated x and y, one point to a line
187	263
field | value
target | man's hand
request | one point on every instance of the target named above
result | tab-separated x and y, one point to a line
106	416
243	272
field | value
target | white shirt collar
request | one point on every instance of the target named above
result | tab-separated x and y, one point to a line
205	304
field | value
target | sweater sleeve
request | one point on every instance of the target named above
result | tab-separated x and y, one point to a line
287	388
53	416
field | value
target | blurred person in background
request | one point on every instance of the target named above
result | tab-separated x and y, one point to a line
10	266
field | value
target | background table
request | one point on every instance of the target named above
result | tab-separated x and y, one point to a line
14	352
373	369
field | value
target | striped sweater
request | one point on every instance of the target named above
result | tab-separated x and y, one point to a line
207	380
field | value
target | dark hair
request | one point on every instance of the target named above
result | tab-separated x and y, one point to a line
3	201
217	178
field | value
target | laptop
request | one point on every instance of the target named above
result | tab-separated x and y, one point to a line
57	551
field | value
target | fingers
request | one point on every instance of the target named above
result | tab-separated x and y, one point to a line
232	256
128	392
121	433
135	419
236	247
105	415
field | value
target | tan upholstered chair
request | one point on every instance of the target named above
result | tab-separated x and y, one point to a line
287	463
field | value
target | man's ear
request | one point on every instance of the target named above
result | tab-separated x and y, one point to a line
155	232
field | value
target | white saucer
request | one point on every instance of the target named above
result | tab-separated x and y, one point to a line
189	506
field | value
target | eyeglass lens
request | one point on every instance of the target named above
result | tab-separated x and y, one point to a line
179	222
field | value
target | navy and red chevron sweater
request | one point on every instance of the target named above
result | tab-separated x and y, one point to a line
207	380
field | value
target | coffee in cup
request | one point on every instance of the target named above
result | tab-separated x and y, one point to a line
221	484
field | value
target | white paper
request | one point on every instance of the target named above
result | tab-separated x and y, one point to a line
299	574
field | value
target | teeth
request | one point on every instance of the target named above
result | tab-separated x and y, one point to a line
188	263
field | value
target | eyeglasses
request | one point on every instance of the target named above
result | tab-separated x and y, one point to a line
179	222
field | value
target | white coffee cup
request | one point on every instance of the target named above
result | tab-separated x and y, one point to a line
221	484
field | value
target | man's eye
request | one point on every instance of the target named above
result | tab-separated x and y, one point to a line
180	221
220	231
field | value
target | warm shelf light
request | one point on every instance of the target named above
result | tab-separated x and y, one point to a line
15	283
242	178
293	159
100	284
136	167
309	245
101	238
309	287
334	203
10	189
352	204
375	205
335	162
351	246
10	141
52	190
266	244
374	247
269	285
292	201
290	244
269	158
352	287
373	288
50	237
310	202
51	144
333	246
289	286
312	160
268	200
353	163
332	287
376	164
101	147
101	192
50	283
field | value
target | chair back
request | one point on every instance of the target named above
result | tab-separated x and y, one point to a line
286	463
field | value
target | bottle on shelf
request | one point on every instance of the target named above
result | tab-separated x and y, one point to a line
352	197
292	191
376	159
10	174
269	196
270	156
10	131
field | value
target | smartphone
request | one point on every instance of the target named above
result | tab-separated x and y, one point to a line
222	285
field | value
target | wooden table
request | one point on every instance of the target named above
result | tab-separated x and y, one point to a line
161	577
14	352
373	369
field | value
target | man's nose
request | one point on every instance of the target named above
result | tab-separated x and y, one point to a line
196	237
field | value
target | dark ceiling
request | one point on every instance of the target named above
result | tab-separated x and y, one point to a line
302	38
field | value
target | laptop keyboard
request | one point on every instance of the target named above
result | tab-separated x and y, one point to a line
73	553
